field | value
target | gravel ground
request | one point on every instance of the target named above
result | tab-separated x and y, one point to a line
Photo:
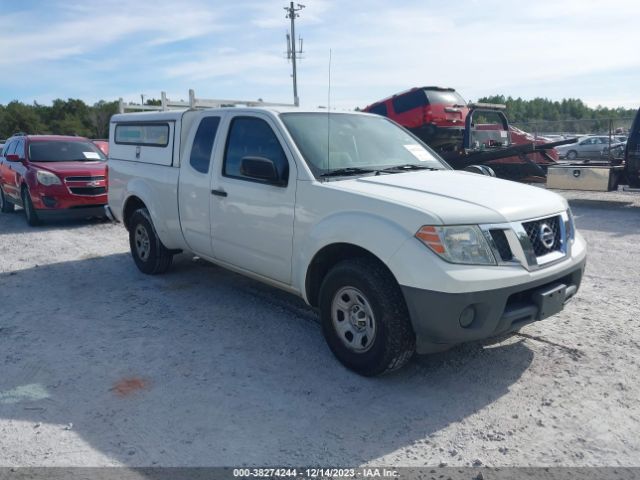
101	365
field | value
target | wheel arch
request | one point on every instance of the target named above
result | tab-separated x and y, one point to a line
131	204
329	256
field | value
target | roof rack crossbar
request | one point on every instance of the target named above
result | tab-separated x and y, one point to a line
194	103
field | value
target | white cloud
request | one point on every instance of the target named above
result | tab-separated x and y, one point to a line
84	28
379	47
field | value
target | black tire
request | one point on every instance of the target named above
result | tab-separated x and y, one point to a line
151	256
393	341
633	179
5	205
572	155
29	212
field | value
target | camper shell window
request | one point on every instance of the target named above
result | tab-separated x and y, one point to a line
148	134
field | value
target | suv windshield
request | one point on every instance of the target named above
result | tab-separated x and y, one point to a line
356	144
64	151
446	97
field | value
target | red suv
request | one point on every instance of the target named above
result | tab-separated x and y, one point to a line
433	113
52	176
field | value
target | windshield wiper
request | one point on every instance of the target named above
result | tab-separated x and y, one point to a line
338	172
405	168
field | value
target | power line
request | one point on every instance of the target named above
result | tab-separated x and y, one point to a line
292	52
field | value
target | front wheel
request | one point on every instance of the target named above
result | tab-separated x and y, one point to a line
364	317
5	205
29	212
148	252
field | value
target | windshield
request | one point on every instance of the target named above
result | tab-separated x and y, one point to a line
338	141
445	97
64	151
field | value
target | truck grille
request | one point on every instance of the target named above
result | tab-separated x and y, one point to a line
502	244
90	191
544	235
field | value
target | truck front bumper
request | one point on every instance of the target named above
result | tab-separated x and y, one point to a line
442	320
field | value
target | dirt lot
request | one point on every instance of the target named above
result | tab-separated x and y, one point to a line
101	365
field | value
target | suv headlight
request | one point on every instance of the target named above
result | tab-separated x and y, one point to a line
458	244
47	178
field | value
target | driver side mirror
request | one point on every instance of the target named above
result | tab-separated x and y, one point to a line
260	168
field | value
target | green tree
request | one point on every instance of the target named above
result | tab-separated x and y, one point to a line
18	117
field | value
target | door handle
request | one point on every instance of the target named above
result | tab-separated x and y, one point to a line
219	193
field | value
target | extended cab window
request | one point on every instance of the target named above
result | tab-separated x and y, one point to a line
150	134
253	137
203	144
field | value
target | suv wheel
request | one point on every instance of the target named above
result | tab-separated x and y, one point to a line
5	205
364	317
149	254
29	211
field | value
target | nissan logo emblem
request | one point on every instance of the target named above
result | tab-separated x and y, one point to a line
546	236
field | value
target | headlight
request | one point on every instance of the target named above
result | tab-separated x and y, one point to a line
47	178
458	244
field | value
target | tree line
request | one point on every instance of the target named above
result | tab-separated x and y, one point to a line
62	117
75	117
567	115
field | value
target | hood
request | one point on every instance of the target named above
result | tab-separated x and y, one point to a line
458	197
80	169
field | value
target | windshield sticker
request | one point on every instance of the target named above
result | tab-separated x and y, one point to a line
503	133
419	152
91	155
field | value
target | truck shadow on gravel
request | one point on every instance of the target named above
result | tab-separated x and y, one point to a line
202	367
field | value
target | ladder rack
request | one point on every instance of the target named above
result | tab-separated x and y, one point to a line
194	103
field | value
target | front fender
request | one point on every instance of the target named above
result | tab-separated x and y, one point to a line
376	234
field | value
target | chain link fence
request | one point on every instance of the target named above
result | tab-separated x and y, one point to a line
608	142
575	128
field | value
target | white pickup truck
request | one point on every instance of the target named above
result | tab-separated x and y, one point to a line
398	252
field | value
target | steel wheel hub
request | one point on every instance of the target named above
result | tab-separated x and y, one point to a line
353	319
141	240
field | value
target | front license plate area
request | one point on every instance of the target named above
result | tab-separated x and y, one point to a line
550	300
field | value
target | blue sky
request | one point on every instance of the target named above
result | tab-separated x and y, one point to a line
236	49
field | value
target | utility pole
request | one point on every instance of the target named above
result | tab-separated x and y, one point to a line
292	52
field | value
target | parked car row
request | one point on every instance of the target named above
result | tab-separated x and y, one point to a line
52	176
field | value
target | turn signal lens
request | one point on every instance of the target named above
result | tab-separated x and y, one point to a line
430	237
463	244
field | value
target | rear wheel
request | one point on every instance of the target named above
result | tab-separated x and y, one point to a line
364	317
148	252
5	205
572	155
29	211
